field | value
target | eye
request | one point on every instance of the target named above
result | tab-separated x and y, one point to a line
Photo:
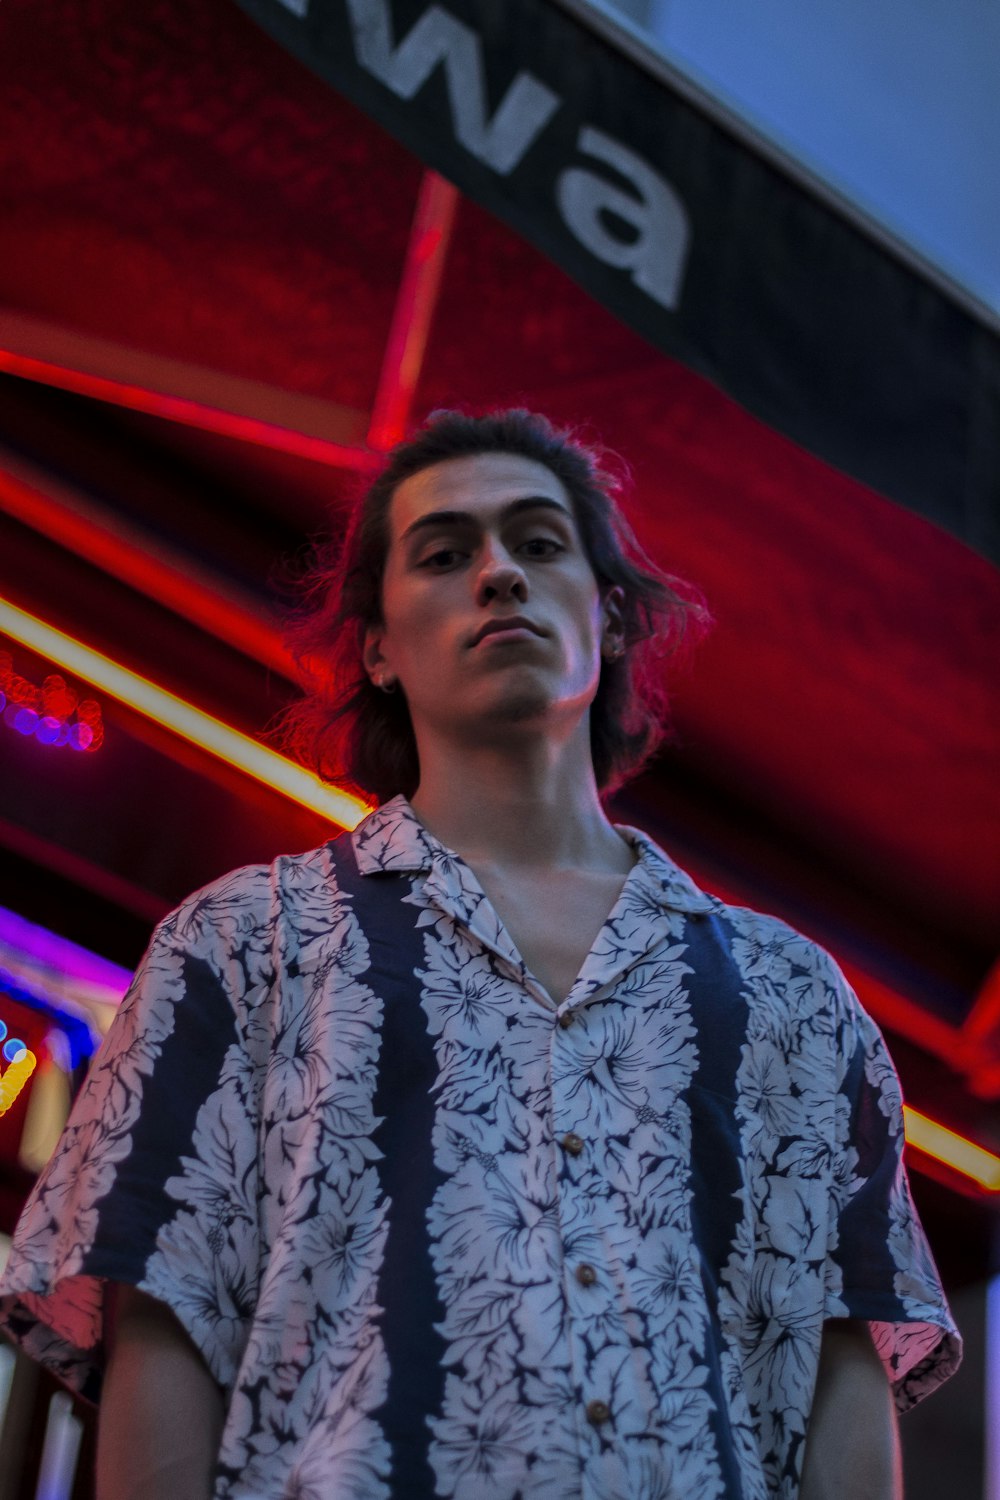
444	557
541	546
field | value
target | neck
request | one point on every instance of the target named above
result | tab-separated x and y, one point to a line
530	805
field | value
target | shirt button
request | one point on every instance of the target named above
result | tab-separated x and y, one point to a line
566	1019
572	1143
586	1275
598	1412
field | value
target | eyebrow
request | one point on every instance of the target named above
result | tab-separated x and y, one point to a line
440	519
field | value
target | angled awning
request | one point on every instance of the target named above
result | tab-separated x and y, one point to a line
714	253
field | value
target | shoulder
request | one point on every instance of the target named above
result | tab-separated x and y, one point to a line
789	974
768	940
252	899
785	977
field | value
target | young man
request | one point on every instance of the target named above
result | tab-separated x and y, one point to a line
480	1154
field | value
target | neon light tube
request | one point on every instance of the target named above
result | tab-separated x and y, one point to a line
954	1150
126	552
190	413
183	719
29	944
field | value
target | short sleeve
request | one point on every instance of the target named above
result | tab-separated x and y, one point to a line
879	1264
152	1183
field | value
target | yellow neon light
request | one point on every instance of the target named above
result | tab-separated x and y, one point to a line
15	1076
183	719
954	1150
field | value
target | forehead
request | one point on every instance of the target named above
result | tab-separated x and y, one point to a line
480	484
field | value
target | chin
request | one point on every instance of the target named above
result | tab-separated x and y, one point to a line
530	704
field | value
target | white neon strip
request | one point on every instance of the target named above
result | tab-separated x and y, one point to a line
8	1362
954	1150
60	1451
183	719
991	1392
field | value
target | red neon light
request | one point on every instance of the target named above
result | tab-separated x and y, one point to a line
905	1017
189	413
415	303
910	1020
178	583
79	870
981	1033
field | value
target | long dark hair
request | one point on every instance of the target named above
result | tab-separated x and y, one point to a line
350	733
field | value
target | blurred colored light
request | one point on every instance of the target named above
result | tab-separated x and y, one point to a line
45	712
3	1030
26	942
183	719
13	1048
953	1150
48	729
78	1034
57	699
80	736
15	1077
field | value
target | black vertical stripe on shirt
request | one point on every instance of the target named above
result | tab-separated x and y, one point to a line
863	1251
720	1015
185	1074
407	1071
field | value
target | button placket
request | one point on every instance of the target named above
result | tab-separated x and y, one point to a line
584	1277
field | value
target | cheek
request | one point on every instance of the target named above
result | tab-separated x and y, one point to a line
589	621
414	621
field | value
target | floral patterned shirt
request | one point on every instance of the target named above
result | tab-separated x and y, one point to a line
436	1235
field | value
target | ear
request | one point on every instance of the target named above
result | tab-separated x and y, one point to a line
613	630
372	656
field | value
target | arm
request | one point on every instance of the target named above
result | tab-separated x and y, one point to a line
161	1412
852	1445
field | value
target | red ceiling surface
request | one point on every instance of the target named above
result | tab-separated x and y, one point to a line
205	253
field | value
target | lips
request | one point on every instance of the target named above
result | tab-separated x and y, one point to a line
503	623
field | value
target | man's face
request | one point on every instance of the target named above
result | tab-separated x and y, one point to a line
479	543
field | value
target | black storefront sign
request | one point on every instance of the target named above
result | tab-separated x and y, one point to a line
685	232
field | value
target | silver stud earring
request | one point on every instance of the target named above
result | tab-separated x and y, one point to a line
385	684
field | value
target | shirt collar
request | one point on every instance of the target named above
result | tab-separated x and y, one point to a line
392	840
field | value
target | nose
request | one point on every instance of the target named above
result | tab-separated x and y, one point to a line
500	576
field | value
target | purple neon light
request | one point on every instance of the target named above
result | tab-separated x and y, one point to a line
37	945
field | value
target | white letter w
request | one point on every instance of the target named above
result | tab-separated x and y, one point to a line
439	37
